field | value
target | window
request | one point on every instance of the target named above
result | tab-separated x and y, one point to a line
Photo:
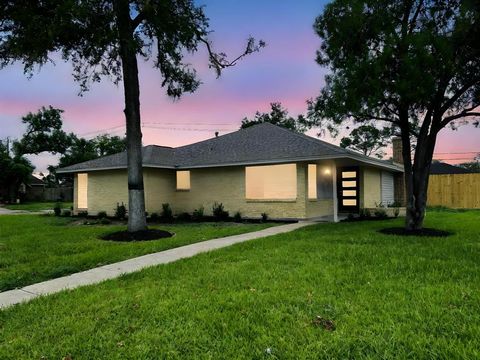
82	191
183	180
271	182
325	183
312	181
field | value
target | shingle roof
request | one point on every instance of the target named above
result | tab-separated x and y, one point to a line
439	168
263	143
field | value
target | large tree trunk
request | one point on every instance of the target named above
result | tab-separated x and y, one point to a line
136	196
417	180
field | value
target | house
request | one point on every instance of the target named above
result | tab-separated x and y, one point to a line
441	168
261	169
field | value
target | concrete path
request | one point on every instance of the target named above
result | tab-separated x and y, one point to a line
5	211
102	273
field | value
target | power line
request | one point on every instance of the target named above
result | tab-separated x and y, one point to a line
184	129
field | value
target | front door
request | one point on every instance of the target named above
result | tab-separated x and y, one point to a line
348	189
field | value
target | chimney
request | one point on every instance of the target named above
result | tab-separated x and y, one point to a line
397	149
216	133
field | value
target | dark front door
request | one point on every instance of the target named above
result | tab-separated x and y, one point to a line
348	189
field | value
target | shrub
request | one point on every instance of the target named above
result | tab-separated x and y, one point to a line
237	217
57	209
184	216
83	214
365	214
396	212
198	214
121	211
264	216
167	213
350	217
102	215
380	213
104	221
219	212
66	213
154	217
395	204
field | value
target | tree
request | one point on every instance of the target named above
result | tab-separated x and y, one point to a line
410	64
277	116
368	140
83	150
14	170
473	166
44	133
104	39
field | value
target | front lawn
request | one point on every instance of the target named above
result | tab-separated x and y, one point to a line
328	291
34	248
38	206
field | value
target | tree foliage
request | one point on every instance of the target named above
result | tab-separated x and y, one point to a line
44	133
368	139
14	170
412	65
83	150
277	116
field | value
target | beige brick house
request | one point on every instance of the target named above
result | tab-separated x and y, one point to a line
261	169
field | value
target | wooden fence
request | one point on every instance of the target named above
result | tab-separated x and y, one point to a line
454	191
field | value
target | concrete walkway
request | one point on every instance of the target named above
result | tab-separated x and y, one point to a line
102	273
5	211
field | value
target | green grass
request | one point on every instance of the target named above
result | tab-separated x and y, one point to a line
389	297
34	248
37	206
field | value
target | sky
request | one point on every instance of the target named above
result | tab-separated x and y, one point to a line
284	71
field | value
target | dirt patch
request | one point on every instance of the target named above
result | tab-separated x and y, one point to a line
146	235
326	324
422	232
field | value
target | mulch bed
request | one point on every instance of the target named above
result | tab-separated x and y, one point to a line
146	235
422	232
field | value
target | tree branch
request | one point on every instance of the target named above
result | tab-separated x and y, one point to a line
458	94
219	60
138	20
448	119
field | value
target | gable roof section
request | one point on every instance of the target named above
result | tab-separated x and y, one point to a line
260	144
439	168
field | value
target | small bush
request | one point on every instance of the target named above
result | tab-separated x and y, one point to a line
396	212
365	214
198	214
102	215
167	213
380	213
66	213
154	217
104	221
219	212
237	217
184	217
350	217
264	216
57	209
121	211
395	204
83	214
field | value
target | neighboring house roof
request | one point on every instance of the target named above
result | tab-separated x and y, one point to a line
260	144
34	181
439	168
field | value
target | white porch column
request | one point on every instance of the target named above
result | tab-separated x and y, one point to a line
335	197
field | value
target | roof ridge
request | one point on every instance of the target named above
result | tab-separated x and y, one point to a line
309	138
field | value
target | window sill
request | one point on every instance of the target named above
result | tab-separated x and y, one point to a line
271	200
182	190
